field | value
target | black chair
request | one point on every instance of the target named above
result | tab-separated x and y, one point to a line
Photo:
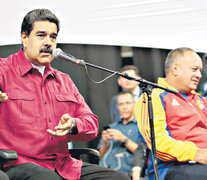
86	154
92	154
7	155
143	174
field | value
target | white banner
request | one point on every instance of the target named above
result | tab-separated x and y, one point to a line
140	23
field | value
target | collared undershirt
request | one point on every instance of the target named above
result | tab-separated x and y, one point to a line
40	68
136	93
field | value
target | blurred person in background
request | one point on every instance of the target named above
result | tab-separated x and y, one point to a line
120	140
126	85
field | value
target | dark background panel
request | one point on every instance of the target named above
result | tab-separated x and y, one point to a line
150	62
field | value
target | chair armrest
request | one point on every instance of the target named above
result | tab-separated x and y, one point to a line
6	155
93	153
144	165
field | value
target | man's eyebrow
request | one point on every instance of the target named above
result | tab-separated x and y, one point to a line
42	32
55	34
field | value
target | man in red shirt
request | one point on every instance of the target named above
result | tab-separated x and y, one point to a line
41	109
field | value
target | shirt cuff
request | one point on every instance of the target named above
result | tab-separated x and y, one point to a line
136	168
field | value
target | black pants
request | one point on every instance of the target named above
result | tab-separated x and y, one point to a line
30	171
3	176
187	172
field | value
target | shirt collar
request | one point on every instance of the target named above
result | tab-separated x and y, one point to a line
133	120
137	93
25	66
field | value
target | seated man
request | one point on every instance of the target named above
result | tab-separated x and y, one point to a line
120	140
41	109
180	120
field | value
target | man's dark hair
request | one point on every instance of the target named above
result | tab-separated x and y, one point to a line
38	15
125	92
130	67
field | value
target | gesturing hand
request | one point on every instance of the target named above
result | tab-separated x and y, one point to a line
63	126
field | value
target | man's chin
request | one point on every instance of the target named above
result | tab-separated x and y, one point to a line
194	87
44	61
125	117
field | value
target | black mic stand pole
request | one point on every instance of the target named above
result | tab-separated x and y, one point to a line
147	87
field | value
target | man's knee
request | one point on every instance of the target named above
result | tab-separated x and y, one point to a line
187	172
40	173
47	175
31	172
3	176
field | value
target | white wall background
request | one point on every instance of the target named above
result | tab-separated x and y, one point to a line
140	23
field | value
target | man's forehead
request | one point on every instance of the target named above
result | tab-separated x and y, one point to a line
127	97
44	26
188	57
129	71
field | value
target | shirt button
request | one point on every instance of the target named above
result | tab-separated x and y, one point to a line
50	120
45	102
51	138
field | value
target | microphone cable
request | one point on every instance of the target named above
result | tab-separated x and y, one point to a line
101	81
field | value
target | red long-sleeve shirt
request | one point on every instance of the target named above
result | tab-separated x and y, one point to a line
36	104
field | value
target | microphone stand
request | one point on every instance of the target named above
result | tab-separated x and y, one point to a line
147	87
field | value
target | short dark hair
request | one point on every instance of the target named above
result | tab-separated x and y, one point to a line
38	15
125	92
129	67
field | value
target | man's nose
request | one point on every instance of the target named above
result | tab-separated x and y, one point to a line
198	74
48	41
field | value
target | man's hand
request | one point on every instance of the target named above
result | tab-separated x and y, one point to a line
201	156
115	134
3	96
105	136
63	126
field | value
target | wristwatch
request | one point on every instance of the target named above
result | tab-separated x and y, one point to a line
125	141
72	126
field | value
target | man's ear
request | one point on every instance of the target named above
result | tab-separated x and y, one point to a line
119	81
138	77
24	38
174	69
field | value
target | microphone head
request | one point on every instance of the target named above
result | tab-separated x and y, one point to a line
56	52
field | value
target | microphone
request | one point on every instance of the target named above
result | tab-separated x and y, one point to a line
59	54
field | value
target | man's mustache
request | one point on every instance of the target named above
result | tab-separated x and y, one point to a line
46	50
